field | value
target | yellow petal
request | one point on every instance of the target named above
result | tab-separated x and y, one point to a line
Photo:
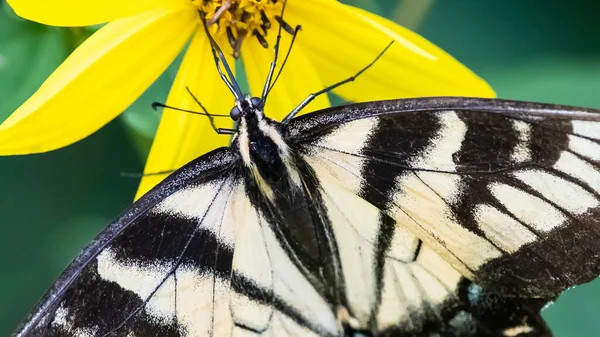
69	13
351	38
182	136
298	79
98	81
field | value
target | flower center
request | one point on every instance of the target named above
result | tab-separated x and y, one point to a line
237	19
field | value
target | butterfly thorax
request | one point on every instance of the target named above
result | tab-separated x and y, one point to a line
264	152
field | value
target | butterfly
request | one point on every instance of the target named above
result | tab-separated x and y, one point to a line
447	216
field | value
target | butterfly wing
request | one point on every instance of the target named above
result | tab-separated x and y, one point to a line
172	266
136	277
501	193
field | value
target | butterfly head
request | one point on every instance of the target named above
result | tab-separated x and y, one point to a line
246	107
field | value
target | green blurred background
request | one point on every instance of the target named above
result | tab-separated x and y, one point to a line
52	204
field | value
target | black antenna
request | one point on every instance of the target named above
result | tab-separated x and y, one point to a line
210	117
275	55
218	55
314	95
295	33
205	113
161	105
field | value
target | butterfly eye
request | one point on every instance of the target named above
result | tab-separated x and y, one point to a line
256	102
235	113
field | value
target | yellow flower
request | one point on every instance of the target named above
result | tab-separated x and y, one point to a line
106	73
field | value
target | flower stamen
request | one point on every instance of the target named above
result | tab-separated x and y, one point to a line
221	10
235	43
266	23
233	20
261	39
286	26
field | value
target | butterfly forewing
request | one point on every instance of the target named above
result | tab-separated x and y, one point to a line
480	181
138	276
421	217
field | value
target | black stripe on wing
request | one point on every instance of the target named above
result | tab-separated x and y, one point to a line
476	313
409	139
80	298
402	305
499	143
507	191
170	234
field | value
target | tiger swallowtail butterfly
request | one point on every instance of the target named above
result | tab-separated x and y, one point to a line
445	216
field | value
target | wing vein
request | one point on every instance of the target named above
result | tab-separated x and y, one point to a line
171	270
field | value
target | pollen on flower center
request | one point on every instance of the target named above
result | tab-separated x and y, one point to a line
237	19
